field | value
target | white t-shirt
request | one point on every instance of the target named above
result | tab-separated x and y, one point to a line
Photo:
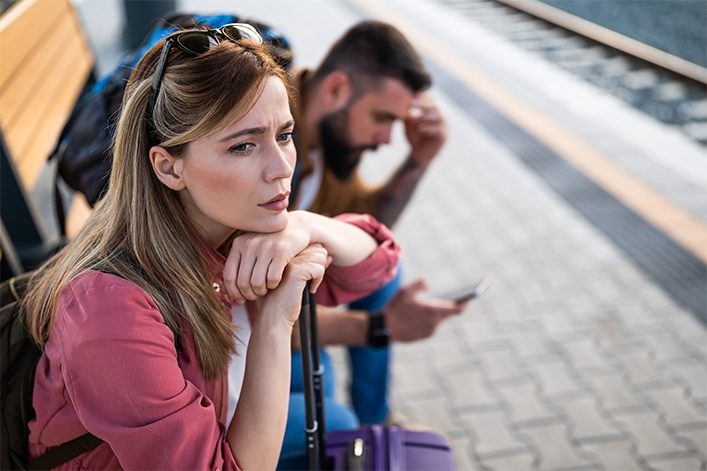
309	186
236	369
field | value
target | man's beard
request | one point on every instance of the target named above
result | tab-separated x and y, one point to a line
339	155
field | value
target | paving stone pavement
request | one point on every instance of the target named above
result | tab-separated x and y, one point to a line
574	358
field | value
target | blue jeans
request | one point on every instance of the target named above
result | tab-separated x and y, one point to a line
369	387
370	367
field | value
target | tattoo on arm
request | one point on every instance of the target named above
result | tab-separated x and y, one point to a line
396	194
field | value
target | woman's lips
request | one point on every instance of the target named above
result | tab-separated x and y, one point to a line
278	203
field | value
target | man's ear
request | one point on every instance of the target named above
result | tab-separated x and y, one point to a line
167	168
336	89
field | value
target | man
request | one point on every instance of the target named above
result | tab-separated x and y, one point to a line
370	78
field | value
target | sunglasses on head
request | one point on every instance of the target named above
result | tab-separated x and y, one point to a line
197	42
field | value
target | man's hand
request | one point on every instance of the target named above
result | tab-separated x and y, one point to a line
426	130
409	319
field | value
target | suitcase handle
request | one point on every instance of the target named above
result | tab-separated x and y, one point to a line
312	378
311	425
317	374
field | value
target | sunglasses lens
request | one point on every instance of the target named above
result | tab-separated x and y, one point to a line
238	31
196	42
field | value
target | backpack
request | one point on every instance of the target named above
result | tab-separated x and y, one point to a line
19	355
84	151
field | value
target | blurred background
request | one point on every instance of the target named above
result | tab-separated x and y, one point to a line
575	176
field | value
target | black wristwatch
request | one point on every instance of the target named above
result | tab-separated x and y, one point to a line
378	334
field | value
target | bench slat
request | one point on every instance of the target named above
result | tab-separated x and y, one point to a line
34	130
33	156
18	31
76	217
36	69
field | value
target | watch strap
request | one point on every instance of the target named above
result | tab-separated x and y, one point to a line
378	334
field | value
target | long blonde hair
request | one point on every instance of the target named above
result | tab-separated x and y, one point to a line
140	231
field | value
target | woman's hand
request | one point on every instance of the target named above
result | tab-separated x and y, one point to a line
286	299
256	262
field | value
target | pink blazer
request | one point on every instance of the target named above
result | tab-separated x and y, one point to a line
110	367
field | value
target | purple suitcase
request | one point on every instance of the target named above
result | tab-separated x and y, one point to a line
368	448
388	447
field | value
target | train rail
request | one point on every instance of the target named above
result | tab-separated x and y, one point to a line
670	89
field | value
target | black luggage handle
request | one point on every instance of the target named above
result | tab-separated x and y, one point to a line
312	379
317	375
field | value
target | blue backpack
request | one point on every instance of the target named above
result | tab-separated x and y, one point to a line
83	153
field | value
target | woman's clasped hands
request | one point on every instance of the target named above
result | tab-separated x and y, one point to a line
276	266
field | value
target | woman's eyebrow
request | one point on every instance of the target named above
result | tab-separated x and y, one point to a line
243	132
251	131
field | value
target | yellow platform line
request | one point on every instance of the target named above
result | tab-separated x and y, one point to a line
677	223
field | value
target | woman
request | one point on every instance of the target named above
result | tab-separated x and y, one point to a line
136	314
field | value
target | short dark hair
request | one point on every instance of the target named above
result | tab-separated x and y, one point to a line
374	49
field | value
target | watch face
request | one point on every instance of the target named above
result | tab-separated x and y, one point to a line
378	334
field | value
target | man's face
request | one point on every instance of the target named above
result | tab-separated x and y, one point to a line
362	124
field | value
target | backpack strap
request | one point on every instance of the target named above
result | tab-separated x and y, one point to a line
65	452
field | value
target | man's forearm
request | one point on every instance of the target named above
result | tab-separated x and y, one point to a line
396	194
342	327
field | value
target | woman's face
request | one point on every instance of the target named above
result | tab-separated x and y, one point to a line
239	177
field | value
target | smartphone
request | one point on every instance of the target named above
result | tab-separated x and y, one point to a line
467	294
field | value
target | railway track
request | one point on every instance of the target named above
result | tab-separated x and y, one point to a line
670	89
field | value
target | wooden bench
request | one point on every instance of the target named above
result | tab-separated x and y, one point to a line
46	63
